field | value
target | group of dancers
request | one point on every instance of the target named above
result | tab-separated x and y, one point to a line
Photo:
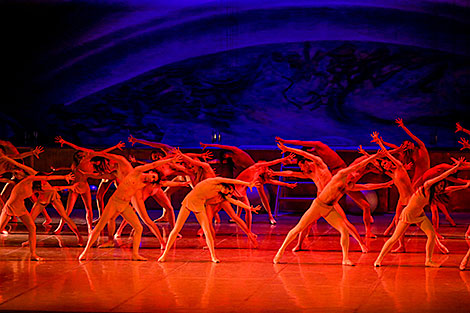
407	165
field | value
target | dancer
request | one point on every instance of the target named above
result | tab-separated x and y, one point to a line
15	206
81	165
206	191
241	159
336	163
397	171
322	206
119	204
260	171
315	169
205	171
120	167
48	194
413	213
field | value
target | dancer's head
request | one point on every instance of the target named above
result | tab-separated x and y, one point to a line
78	156
156	155
227	189
100	164
152	176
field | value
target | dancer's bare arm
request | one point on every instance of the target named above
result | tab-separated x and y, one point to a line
400	123
317	160
379	141
460	128
427	184
235	150
149	166
26	168
290	174
158	145
243	205
354	167
359	187
465	144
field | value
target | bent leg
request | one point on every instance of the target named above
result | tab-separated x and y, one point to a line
397	234
337	221
29	223
71	199
229	210
86	198
130	216
265	201
428	229
311	215
59	207
139	205
205	224
362	202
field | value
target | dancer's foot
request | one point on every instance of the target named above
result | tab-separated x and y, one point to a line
463	264
277	258
348	262
83	256
377	264
272	221
369	234
107	244
35	257
47	222
364	248
162	258
297	248
400	249
431	264
215	260
138	258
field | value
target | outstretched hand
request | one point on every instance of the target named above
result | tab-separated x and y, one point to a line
361	150
399	121
38	150
60	140
460	161
69	177
207	156
459	128
281	147
279	139
465	144
203	145
375	137
132	139
120	145
255	209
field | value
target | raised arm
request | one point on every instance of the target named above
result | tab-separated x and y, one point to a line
461	129
27	169
355	167
277	161
400	123
427	184
63	142
69	177
149	166
119	146
359	187
38	150
164	147
198	163
290	174
303	153
379	141
464	143
313	144
233	181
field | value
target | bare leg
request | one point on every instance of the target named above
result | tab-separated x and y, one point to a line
309	216
467	233
59	207
229	210
163	200
93	236
4	219
352	230
397	234
303	234
182	217
100	193
444	210
29	223
47	218
72	198
435	218
86	197
361	201
428	229
337	221
265	201
130	216
464	262
205	224
139	205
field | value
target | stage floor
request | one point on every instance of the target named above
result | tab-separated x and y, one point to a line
246	280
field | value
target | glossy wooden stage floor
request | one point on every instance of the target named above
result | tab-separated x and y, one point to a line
245	280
